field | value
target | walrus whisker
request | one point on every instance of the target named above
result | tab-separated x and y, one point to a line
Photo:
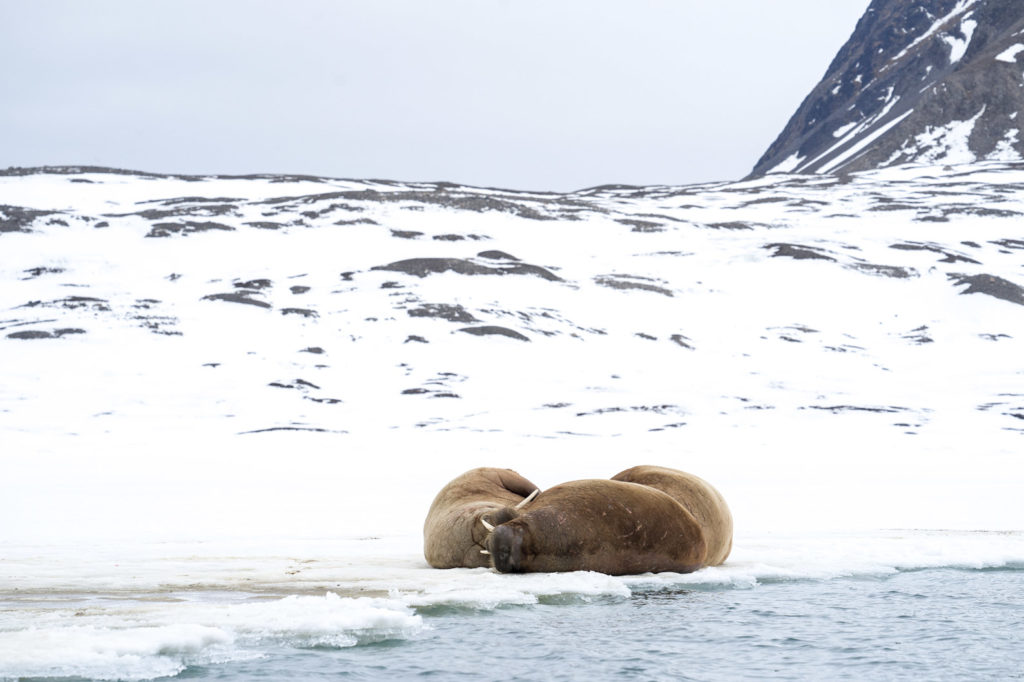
527	499
488	526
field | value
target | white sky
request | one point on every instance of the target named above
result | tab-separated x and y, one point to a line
529	94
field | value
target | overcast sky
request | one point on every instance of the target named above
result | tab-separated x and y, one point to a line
528	94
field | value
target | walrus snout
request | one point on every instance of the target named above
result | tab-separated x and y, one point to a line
506	547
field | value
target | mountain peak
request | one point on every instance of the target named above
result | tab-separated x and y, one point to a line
919	81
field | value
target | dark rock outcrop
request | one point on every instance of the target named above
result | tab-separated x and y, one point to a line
421	267
495	330
990	285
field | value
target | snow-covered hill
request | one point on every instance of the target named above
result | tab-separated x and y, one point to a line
919	81
244	334
226	403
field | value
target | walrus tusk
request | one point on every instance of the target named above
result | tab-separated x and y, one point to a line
488	526
528	498
484	551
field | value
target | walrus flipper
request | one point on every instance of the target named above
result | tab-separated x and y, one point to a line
515	483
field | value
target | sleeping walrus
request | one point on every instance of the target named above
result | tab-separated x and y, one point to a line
698	497
612	527
646	519
453	533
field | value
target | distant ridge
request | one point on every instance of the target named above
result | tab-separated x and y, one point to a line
919	81
15	171
437	185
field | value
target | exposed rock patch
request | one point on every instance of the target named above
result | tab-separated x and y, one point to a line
947	256
257	284
38	272
641	225
30	334
73	303
798	252
238	297
635	282
301	312
495	330
443	311
496	255
422	267
990	285
18	219
894	271
683	341
185	228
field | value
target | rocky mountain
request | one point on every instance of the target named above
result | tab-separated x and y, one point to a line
919	81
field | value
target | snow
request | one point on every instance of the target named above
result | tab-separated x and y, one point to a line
1009	55
789	164
946	144
162	427
844	129
958	46
1006	149
111	645
863	142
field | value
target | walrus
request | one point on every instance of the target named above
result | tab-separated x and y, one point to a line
453	533
699	498
613	527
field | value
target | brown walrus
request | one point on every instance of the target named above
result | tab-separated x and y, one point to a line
698	497
453	534
613	527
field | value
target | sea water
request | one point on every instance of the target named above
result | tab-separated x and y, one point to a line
888	605
937	624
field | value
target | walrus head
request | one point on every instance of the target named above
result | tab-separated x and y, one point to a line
504	541
505	545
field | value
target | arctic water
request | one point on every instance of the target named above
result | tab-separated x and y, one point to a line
937	624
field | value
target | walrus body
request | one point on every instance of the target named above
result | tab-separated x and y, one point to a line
698	497
453	534
613	527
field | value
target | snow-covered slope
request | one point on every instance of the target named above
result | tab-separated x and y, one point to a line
226	403
919	81
222	340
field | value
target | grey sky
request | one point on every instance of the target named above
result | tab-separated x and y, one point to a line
530	94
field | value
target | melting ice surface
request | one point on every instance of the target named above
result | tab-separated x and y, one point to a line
227	403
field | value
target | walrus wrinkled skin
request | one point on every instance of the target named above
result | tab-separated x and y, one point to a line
453	533
613	527
698	497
